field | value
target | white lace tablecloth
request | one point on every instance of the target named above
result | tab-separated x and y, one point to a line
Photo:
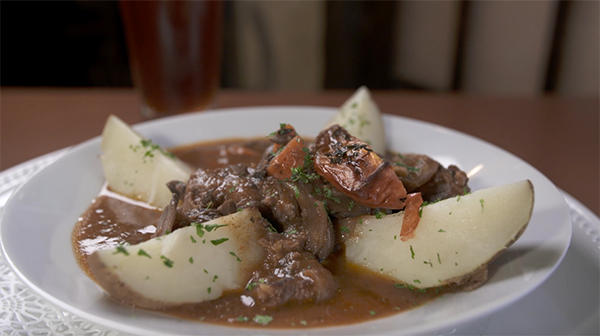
23	312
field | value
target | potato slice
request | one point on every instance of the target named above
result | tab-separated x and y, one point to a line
137	168
362	118
453	243
183	267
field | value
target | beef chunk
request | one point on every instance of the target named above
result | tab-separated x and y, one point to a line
290	273
413	170
445	183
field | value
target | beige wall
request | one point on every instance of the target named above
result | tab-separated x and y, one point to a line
580	65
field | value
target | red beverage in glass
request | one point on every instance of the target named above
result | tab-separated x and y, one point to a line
174	53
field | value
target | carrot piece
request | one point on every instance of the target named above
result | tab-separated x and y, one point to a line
411	216
291	156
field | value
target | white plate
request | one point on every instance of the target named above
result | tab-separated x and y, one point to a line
37	221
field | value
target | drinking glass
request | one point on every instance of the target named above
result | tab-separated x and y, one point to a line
174	53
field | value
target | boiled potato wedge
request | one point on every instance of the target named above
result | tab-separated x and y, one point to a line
361	117
453	243
189	265
137	168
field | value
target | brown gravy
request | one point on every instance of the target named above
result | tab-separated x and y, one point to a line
362	295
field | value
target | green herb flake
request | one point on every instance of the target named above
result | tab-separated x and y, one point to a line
215	278
211	227
143	253
344	229
150	148
409	168
191	260
380	215
242	318
417	281
372	312
121	249
219	241
236	257
412	252
304	323
440	230
351	205
439	259
199	229
209	290
428	263
168	262
192	239
262	319
481	202
205	271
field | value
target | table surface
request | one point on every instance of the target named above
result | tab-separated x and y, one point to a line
557	135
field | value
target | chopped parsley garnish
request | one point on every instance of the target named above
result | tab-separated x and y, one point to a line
440	230
215	278
329	194
439	259
191	260
291	232
481	202
192	239
143	253
262	319
412	253
351	205
236	257
168	262
344	229
121	249
372	312
380	215
417	281
219	241
242	318
199	229
211	227
428	262
409	168
209	290
296	190
150	147
304	323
